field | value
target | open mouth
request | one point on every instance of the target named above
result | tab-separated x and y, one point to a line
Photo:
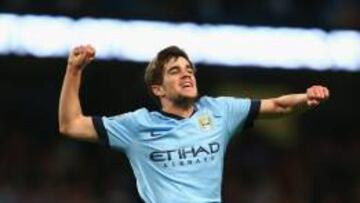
186	85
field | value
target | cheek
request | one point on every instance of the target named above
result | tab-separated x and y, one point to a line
195	83
169	85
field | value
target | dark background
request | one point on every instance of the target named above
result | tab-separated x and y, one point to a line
313	157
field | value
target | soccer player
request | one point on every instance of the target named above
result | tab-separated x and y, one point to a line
176	153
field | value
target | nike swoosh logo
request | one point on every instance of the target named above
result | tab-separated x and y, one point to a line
154	134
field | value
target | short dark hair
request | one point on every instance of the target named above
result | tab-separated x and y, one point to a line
154	73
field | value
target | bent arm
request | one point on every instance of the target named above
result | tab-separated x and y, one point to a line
72	122
293	103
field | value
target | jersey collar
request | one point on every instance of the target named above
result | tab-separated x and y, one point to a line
177	117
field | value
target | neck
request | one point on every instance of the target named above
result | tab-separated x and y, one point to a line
182	111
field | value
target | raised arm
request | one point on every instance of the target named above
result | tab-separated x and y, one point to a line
293	103
72	122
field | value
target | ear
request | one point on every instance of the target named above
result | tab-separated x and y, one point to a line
158	90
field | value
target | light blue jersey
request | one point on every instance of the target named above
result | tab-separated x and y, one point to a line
178	160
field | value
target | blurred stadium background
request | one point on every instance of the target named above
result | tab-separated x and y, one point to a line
312	158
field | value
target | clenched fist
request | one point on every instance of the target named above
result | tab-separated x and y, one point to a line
81	56
316	94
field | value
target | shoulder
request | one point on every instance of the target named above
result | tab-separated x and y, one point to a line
132	119
212	103
225	103
131	115
209	100
220	101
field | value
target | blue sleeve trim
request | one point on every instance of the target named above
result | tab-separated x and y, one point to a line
253	112
101	131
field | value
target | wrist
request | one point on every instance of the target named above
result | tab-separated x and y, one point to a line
71	69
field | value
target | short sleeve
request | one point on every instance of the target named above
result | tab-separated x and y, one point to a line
115	132
240	112
253	112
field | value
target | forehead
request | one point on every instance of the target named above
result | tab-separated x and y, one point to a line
179	61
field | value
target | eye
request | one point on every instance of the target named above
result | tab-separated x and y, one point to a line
174	71
190	70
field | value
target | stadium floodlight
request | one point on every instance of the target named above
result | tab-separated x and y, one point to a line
139	41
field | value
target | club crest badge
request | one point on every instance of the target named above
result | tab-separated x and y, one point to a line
205	122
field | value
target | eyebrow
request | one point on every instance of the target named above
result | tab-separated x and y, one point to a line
188	66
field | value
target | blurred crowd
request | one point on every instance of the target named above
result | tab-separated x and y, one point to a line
45	170
328	14
323	169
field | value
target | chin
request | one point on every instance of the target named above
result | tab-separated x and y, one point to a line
185	100
192	95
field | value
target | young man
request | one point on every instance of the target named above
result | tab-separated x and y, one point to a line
177	152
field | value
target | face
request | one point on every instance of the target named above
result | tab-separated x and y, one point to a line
179	82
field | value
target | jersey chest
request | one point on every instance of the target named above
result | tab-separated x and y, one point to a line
192	141
202	126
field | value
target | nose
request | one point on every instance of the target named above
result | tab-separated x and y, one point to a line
185	73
